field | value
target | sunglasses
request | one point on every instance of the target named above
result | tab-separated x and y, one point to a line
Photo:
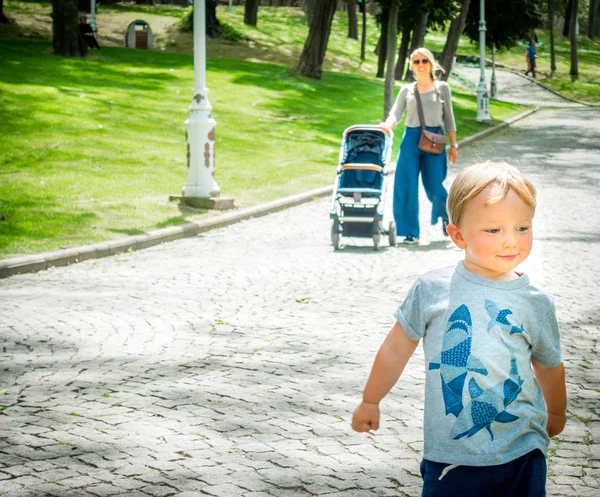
420	61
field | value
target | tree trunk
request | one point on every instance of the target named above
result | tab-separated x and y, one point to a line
419	31
567	24
403	52
3	18
363	38
66	37
392	39
592	21
552	49
352	20
456	28
574	72
418	37
313	54
213	26
309	7
251	12
382	44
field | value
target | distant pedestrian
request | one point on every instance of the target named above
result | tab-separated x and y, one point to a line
436	99
495	382
530	57
88	33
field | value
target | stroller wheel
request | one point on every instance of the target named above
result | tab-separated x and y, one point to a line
335	238
376	240
392	234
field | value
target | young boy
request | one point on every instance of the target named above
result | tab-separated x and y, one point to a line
495	384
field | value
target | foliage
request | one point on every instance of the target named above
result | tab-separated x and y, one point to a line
440	11
507	23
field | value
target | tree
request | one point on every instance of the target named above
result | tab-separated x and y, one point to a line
308	7
3	18
363	39
352	20
313	54
593	19
213	27
457	26
381	49
567	24
507	23
574	72
552	50
66	37
403	51
413	16
251	12
392	38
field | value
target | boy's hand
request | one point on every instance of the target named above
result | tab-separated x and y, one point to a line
556	424
365	417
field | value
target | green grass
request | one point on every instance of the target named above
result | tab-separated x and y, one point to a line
92	148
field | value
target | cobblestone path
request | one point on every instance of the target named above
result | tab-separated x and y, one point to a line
229	364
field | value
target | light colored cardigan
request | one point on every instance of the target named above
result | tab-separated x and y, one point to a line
436	113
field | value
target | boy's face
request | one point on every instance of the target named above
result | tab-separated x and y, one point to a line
496	237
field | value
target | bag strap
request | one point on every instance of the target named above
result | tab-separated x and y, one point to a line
419	107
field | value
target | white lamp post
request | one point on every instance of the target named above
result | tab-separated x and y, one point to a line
93	18
483	99
201	189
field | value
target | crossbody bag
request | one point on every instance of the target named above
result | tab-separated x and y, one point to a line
430	142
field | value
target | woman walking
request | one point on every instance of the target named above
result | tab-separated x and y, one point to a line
436	99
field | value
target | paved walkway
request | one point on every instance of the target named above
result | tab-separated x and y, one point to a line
229	364
511	87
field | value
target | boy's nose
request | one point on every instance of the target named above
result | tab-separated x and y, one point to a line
509	240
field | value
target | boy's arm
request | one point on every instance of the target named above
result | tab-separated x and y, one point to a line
389	363
552	383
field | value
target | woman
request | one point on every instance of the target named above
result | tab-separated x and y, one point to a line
436	99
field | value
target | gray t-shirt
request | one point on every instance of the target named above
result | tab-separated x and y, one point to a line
437	107
483	406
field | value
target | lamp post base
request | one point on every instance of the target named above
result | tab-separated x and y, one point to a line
217	204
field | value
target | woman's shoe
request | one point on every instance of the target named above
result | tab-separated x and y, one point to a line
445	224
410	240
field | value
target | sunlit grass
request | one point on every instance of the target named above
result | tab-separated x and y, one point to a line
92	148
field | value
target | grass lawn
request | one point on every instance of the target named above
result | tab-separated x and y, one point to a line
92	148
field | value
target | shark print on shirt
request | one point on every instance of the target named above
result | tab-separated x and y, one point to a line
486	405
456	360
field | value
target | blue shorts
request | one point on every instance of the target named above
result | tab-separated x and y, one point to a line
523	477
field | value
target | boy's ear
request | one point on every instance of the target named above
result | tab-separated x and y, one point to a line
456	236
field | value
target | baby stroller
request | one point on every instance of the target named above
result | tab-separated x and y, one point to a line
359	191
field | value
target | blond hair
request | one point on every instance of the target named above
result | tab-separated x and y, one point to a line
472	180
434	65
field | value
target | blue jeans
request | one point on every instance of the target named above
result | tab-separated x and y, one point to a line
523	477
433	168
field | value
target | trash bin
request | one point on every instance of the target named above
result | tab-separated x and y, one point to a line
139	35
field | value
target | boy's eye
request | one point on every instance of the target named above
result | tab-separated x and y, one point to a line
493	230
522	229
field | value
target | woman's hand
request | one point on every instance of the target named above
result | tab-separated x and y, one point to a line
453	155
386	127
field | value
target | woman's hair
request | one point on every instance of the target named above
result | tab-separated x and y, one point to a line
472	180
434	65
